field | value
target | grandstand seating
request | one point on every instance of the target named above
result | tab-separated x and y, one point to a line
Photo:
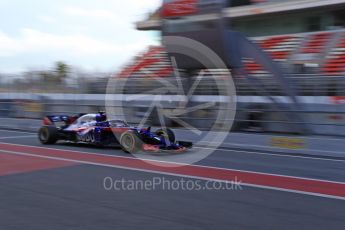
252	67
278	47
317	43
335	62
155	62
152	63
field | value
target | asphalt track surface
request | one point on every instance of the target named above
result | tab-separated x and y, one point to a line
62	187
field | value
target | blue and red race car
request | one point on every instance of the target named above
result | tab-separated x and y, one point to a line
96	129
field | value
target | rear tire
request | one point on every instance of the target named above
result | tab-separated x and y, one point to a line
48	135
130	142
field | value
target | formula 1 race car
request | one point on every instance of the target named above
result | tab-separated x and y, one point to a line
97	130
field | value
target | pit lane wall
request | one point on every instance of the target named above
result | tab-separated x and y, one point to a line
318	146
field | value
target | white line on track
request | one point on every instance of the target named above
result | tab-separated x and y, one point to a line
15	137
274	154
176	175
16	131
268	147
309	137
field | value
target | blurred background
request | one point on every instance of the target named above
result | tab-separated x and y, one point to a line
57	59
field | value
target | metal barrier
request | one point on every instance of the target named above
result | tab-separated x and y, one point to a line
306	85
254	113
249	117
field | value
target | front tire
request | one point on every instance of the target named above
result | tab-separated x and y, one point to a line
48	135
130	142
168	133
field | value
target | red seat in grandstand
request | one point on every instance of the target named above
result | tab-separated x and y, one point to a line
252	67
274	41
278	47
335	63
153	63
317	43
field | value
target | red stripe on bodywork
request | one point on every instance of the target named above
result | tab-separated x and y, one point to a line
259	179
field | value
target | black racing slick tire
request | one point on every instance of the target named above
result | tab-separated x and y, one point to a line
167	132
130	142
48	135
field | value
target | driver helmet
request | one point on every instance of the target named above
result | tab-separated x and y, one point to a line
101	117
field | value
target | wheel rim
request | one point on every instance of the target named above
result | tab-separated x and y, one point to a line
127	142
44	135
161	133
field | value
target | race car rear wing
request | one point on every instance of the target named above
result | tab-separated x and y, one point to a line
51	120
